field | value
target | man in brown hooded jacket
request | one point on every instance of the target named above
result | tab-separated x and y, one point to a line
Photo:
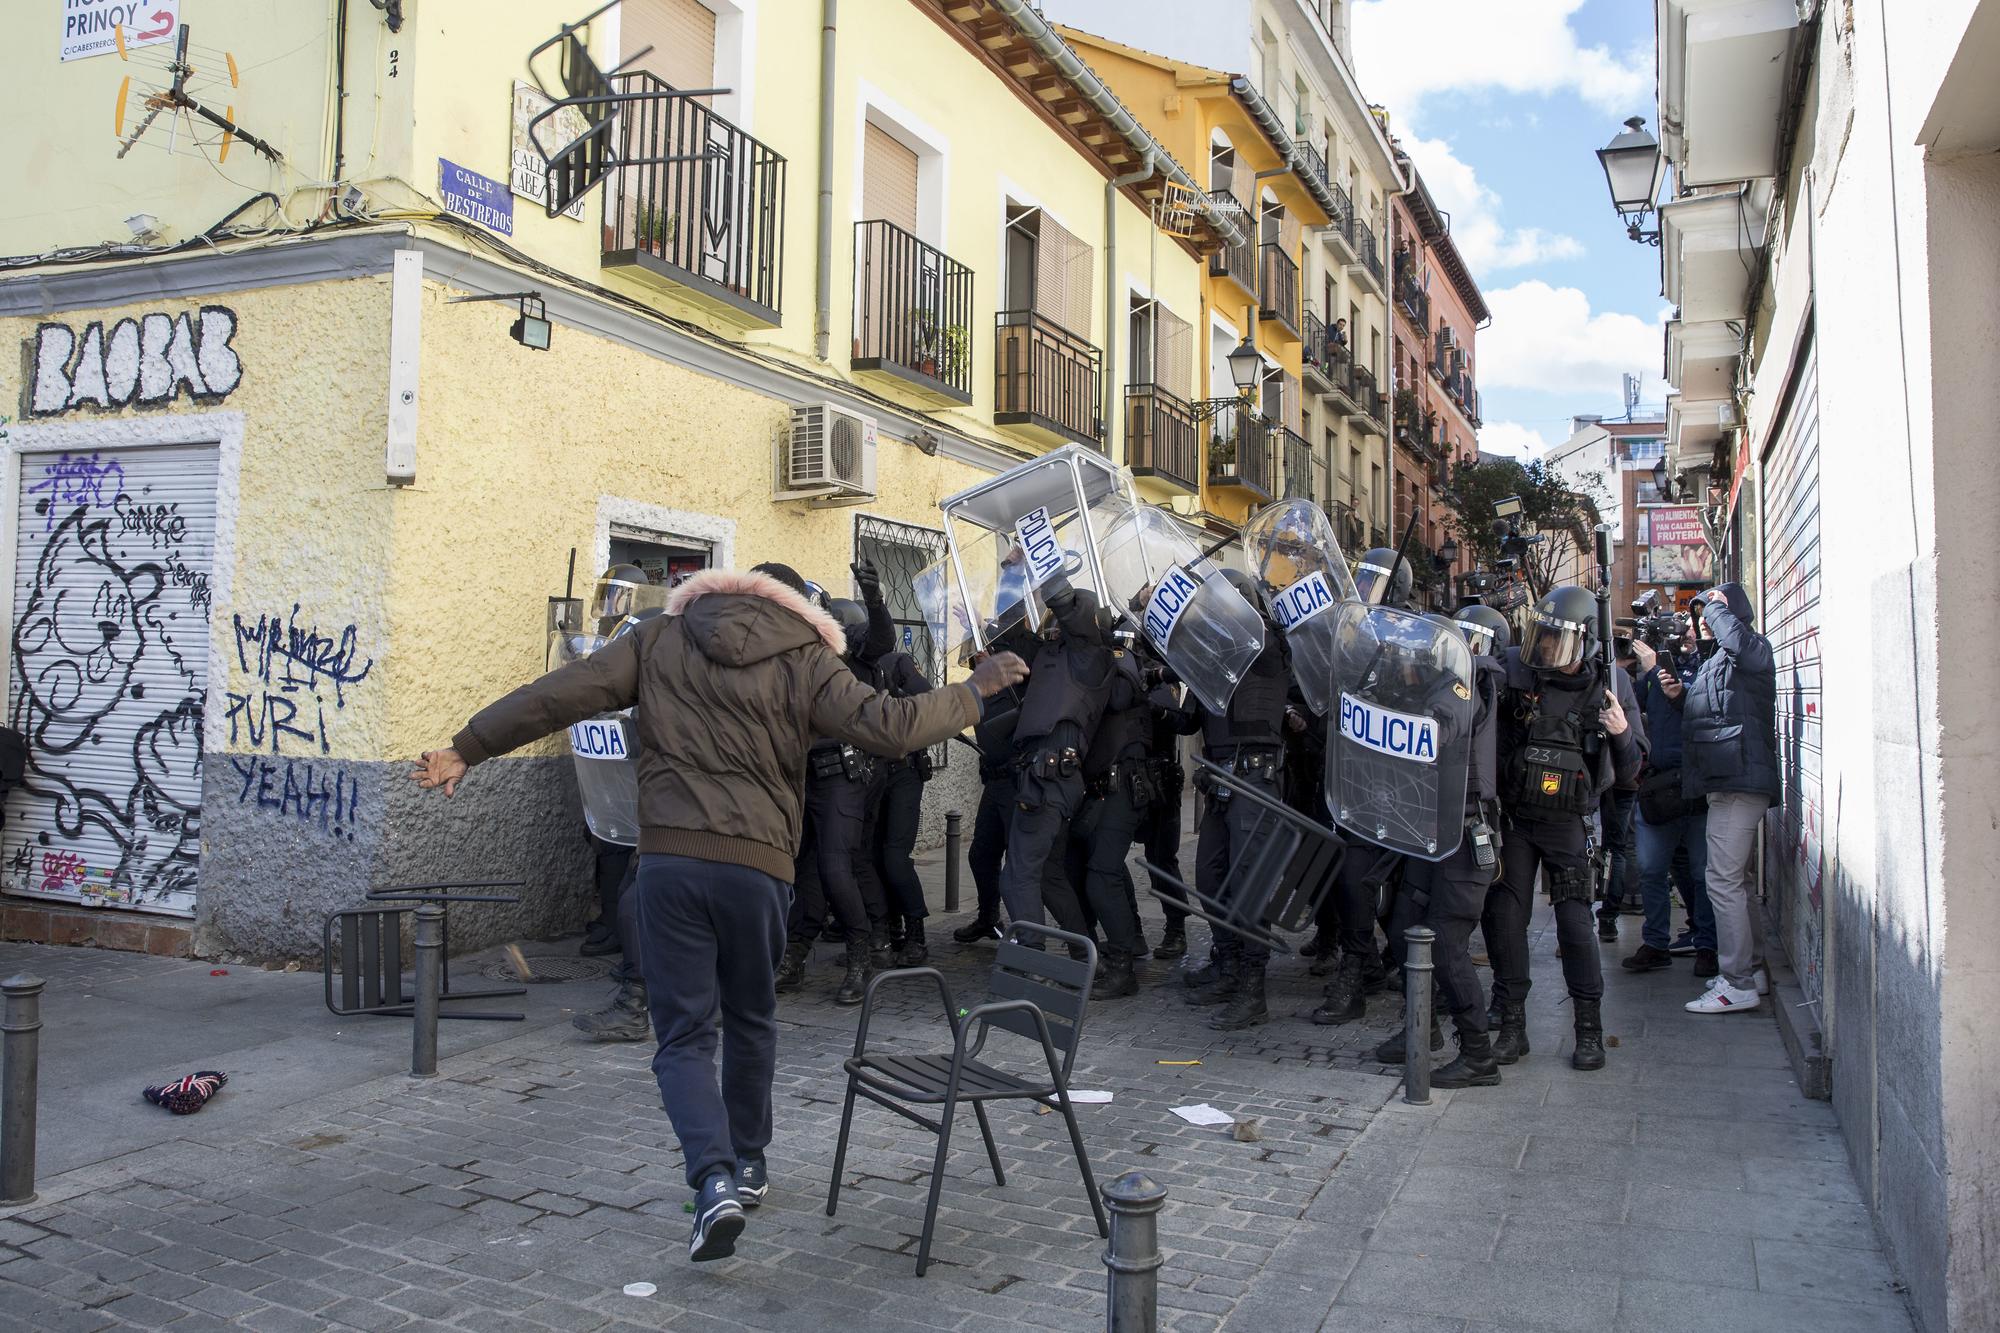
729	688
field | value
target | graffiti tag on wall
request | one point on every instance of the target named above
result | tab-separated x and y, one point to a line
294	670
149	362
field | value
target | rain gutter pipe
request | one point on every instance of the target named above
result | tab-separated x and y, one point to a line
1111	188
823	288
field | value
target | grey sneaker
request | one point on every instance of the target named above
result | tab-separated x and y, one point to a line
753	1181
718	1220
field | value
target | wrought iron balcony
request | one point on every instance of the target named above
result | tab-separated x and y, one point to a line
1160	437
1341	226
1236	261
1348	529
1368	400
912	312
1046	380
1300	472
1368	254
1316	358
1337	383
1316	163
1412	298
1278	288
1240	452
710	227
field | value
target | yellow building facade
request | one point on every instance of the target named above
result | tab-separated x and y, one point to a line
285	506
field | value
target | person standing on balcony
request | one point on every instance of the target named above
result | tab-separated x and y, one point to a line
1336	342
730	686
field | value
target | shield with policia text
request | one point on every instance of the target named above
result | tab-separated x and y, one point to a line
1291	549
1400	738
606	753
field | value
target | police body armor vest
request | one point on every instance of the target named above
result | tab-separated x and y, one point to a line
1256	713
1128	719
1551	742
1489	681
1067	684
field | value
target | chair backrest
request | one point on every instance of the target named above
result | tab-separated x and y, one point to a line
1050	979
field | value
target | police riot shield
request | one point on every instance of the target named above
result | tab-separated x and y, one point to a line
1196	621
606	753
1398	752
965	614
1291	549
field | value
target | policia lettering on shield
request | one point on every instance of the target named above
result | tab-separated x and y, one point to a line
1567	733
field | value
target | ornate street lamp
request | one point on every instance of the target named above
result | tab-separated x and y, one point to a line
1634	169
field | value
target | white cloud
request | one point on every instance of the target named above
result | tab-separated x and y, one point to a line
1512	439
1486	243
1548	340
1406	49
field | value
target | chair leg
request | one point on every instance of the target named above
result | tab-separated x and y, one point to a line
992	1153
840	1149
1083	1163
937	1183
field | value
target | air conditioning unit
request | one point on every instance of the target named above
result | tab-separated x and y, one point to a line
827	457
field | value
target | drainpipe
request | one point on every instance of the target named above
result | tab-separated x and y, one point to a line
1143	172
1409	185
823	291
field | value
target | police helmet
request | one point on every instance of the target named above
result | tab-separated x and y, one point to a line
1440	619
1485	629
631	623
1252	590
852	617
1383	577
617	595
1562	629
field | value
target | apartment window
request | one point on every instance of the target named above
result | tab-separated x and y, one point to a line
888	179
1374	486
1048	270
680	35
1301	109
1353	471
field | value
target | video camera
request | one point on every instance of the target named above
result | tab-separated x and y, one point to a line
1658	627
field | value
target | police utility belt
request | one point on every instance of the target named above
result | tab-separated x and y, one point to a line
1052	765
1257	763
1131	775
846	762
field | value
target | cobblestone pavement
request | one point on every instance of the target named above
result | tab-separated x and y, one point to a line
536	1177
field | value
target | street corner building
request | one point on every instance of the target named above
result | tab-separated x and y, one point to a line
299	475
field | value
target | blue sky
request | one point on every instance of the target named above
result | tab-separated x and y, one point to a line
1502	105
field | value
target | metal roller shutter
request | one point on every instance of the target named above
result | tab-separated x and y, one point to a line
681	33
112	570
1791	611
888	180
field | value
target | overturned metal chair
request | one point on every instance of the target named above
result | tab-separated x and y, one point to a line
1275	882
1037	995
367	945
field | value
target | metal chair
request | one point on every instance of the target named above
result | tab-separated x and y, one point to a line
368	942
1037	995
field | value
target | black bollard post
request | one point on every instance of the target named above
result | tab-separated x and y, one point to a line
951	822
430	956
1417	1015
20	1075
1132	1288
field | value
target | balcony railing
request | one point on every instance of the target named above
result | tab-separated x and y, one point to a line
713	224
1368	399
1239	448
1300	481
1415	303
1316	358
1046	378
912	311
1316	163
1342	222
1278	286
1366	250
1160	437
1349	530
1236	261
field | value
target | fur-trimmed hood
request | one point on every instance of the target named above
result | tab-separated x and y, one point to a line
737	617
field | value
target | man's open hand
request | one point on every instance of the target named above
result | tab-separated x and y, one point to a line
998	672
442	768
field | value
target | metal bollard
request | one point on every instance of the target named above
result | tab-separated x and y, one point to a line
430	954
20	1073
951	822
1417	1015
1132	1287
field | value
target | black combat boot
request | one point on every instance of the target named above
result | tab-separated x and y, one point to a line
854	986
624	1019
1115	980
1206	975
792	970
914	952
1173	944
898	935
1589	1052
1493	1012
1226	978
1346	994
1381	971
1511	1043
1391	1051
1246	1008
881	954
976	930
1475	1066
1607	922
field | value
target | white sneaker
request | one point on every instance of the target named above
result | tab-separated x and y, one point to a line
1763	981
1717	980
1724	999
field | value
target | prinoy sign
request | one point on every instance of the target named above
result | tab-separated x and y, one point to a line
92	27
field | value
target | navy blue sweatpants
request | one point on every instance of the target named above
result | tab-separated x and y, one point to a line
711	935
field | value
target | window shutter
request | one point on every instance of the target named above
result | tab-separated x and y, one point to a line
681	33
1062	279
888	180
1176	365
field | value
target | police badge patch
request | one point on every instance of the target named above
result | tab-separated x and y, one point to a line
1552	783
1459	689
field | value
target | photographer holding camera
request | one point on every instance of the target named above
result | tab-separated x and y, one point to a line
1730	760
1672	830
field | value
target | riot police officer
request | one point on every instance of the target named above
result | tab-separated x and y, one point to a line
1118	788
1249	741
1383	578
1068	687
998	756
1569	729
893	831
1160	830
1450	895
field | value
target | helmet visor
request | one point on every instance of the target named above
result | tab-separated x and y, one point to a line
1550	644
1478	637
1372	582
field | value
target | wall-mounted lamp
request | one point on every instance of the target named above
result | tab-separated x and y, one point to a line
531	327
1634	168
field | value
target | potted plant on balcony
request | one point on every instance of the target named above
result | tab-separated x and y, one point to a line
957	354
1221	455
656	228
924	340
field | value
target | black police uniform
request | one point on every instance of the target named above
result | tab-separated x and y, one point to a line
1069	684
994	734
1160	829
1555	761
1118	791
893	839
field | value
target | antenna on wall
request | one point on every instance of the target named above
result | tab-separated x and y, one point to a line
1631	395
